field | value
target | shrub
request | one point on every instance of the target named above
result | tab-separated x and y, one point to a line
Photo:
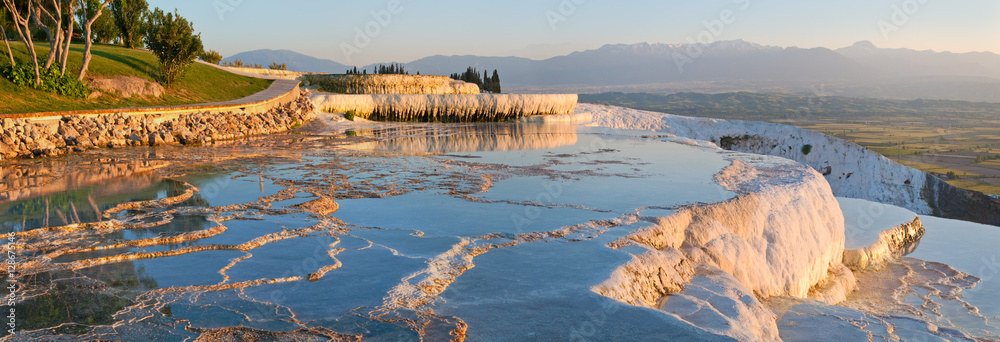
350	115
210	56
276	66
238	63
172	40
235	63
807	149
51	81
22	74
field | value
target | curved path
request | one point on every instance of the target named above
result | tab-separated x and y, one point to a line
280	92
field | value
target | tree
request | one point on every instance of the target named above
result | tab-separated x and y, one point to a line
21	13
87	19
103	30
391	69
276	66
485	83
48	16
211	56
172	40
496	82
129	16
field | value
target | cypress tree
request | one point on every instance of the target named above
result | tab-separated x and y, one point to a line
496	81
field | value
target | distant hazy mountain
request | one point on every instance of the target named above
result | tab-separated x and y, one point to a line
914	63
735	65
655	63
294	60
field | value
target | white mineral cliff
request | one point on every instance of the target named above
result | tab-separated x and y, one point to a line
479	107
782	235
851	170
390	84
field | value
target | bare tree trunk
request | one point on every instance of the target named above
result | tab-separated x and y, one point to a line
6	43
88	40
53	30
23	25
69	39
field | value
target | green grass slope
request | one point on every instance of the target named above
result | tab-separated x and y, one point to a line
200	84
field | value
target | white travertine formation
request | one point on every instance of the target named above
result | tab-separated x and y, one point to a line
851	170
478	107
780	236
711	264
891	244
390	84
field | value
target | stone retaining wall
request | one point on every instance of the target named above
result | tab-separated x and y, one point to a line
50	137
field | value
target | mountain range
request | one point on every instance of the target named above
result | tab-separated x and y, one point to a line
862	69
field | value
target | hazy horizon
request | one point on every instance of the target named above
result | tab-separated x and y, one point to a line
603	45
361	33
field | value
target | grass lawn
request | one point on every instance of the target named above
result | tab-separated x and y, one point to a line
200	84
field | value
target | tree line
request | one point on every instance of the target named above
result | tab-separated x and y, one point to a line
391	69
489	84
129	23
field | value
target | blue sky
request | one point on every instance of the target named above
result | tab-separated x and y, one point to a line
546	28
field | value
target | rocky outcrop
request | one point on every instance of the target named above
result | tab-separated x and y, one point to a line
127	86
446	108
27	138
948	201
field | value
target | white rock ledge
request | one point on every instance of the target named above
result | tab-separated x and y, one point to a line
448	108
890	245
782	235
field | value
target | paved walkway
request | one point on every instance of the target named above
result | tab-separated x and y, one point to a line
267	74
279	89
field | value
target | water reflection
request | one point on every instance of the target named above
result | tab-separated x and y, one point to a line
405	228
83	204
468	138
31	180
